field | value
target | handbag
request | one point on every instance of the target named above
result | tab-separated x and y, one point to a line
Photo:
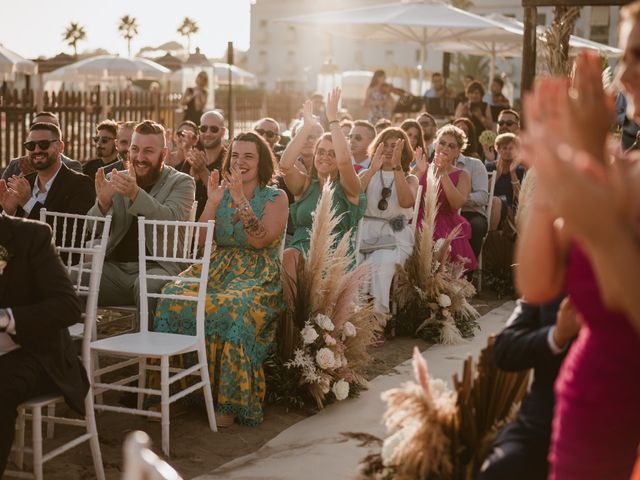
385	242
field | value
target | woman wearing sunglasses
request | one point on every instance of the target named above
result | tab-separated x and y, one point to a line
331	163
391	190
454	189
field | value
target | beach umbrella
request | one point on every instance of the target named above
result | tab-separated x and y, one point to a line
105	66
12	63
420	22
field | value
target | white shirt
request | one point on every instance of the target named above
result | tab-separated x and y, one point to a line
365	163
6	342
37	196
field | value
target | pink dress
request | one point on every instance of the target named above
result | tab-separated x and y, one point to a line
446	220
596	425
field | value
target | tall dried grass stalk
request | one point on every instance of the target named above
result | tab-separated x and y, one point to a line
557	37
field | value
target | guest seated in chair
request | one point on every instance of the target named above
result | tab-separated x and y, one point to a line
37	304
536	337
244	294
387	237
331	163
453	193
509	175
151	189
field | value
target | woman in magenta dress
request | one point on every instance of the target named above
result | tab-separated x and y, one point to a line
453	192
596	426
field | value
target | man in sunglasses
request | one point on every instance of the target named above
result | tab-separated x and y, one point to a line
508	122
361	136
269	129
22	165
200	163
146	189
52	186
106	151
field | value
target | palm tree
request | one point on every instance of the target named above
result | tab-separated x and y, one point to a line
188	28
73	34
128	28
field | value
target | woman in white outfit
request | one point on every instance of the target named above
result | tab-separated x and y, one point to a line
386	236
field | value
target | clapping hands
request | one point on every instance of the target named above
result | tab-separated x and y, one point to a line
122	182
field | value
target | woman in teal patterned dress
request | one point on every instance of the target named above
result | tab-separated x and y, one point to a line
244	294
331	163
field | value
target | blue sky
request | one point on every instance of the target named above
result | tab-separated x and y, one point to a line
33	27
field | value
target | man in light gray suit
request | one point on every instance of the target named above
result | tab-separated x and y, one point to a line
150	189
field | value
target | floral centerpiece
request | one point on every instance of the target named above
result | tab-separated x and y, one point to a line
323	339
431	290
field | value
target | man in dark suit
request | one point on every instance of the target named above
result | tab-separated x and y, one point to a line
22	165
535	337
52	186
37	304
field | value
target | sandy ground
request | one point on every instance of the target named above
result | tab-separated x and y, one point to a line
195	449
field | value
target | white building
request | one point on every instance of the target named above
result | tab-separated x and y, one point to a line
290	57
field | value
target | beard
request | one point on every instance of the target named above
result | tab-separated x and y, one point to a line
43	165
153	173
212	144
103	152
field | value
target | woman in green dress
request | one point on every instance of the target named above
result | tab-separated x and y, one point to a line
331	163
244	294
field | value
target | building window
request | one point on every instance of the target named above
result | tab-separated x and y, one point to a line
599	24
263	24
541	19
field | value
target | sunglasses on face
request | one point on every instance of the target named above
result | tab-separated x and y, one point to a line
383	204
268	134
211	128
184	133
508	123
357	137
102	140
42	144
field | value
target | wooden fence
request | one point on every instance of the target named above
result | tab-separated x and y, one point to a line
80	112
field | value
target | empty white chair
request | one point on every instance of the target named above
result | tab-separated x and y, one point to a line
138	347
82	242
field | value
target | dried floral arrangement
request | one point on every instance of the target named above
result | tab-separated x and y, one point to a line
431	291
323	339
437	433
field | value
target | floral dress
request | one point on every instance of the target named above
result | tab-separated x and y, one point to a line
244	302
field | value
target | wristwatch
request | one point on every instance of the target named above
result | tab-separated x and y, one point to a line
4	320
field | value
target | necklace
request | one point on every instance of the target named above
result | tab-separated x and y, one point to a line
385	193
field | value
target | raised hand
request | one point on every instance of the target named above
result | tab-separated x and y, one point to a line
234	181
198	161
105	190
309	118
25	165
376	161
333	99
125	183
8	200
215	189
440	164
396	157
19	187
421	161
